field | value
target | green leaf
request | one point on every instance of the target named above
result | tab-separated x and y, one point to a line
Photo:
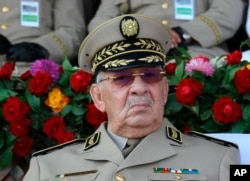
1	138
5	93
66	110
78	110
206	114
65	78
33	101
6	158
211	127
238	127
172	104
245	43
179	70
246	113
66	64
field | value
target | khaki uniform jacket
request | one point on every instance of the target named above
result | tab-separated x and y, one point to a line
215	21
211	159
61	29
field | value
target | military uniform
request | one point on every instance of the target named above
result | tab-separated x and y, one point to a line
163	153
105	161
214	22
61	26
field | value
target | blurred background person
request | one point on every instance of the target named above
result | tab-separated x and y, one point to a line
202	27
246	52
35	29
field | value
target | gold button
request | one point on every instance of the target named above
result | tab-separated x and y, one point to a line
164	5
4	26
5	9
120	177
164	22
178	177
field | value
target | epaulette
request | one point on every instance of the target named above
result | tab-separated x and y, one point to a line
216	140
60	146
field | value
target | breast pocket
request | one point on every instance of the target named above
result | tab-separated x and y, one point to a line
173	177
88	177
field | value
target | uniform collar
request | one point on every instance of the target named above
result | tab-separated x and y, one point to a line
119	140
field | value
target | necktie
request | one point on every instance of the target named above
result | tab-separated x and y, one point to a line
131	144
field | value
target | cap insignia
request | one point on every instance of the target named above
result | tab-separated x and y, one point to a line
129	27
174	134
92	141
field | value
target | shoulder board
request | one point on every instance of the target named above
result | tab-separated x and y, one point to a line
60	146
216	140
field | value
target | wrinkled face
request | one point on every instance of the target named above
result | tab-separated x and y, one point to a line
133	100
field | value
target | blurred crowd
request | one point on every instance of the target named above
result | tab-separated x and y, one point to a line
31	30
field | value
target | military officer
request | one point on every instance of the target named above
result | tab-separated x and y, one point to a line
40	29
132	89
200	26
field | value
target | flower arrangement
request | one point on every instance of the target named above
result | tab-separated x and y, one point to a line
45	106
50	104
209	95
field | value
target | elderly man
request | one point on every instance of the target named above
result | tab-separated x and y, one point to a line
127	55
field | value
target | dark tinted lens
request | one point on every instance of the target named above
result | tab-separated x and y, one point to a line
152	75
123	78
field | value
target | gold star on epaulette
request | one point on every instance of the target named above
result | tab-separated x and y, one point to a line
92	140
173	134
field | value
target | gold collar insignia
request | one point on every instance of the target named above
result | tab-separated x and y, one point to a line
173	134
92	140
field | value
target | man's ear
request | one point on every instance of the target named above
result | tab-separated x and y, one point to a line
166	88
96	96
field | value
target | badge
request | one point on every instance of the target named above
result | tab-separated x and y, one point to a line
92	140
184	9
129	27
174	134
29	13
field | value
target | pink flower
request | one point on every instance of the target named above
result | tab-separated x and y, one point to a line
45	65
199	64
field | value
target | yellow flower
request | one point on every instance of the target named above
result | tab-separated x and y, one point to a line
56	100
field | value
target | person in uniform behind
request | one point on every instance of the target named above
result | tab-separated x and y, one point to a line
202	27
34	29
131	87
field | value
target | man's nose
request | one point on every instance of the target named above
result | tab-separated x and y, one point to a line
139	86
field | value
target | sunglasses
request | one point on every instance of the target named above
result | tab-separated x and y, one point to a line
122	78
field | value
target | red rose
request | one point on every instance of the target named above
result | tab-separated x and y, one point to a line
20	128
170	68
23	146
94	116
226	111
242	80
6	70
80	80
234	57
53	126
40	83
65	136
14	109
188	90
25	75
186	129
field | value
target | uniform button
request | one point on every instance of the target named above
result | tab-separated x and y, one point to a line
164	5
178	177
4	26
5	9
120	177
164	22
